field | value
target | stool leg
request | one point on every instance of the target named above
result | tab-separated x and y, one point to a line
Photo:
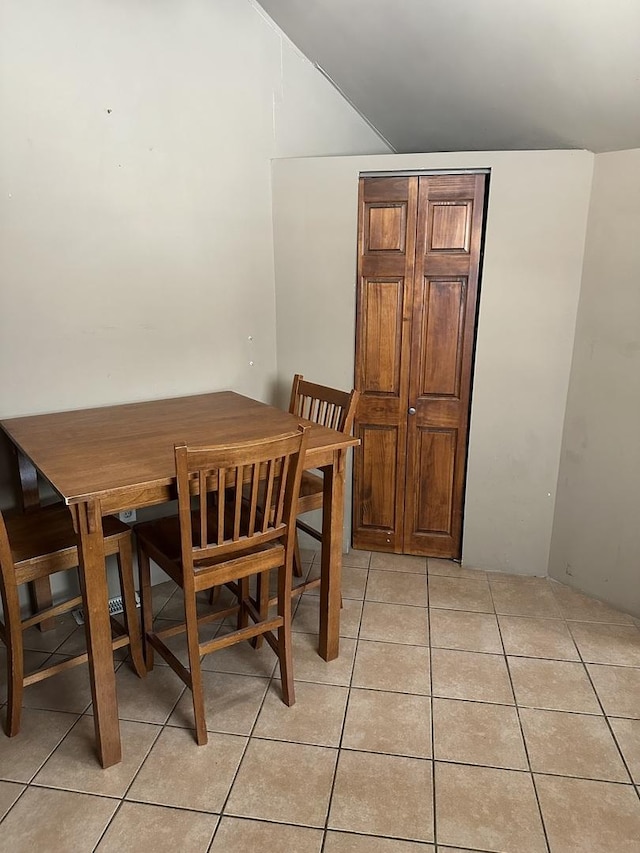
146	605
284	636
15	659
297	562
125	570
197	692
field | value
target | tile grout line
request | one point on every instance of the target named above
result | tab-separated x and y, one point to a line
346	711
611	732
221	813
599	701
522	734
433	732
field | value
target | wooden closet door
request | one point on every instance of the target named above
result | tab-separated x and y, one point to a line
450	210
386	259
419	256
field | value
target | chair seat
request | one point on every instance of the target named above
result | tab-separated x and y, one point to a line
46	534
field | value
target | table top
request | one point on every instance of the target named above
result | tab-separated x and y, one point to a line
112	451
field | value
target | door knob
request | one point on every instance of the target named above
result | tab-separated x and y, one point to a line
412	410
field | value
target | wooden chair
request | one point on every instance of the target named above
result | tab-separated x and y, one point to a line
221	537
331	408
35	545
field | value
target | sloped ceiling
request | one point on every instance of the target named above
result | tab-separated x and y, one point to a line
454	75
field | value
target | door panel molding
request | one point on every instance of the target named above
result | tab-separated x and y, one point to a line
419	241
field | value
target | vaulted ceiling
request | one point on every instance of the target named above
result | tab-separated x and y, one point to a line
444	75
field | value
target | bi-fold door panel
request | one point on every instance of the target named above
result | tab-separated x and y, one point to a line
387	228
419	252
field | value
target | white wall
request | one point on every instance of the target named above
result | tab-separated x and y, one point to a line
136	245
136	201
530	286
596	536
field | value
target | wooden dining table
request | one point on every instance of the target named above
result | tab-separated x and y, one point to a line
115	458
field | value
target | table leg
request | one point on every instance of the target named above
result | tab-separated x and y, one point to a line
93	583
331	557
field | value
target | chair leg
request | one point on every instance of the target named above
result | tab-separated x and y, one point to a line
297	561
284	636
146	605
14	692
197	692
124	558
262	600
243	594
15	664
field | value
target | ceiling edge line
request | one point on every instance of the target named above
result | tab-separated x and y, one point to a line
354	107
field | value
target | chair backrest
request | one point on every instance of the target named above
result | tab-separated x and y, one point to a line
8	586
222	491
323	405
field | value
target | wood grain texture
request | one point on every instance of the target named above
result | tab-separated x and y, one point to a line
113	458
414	356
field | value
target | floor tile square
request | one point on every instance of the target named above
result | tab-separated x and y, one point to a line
627	733
32	661
529	599
69	690
578	607
315	718
235	835
307	616
477	733
309	666
344	842
40	732
613	644
537	638
398	563
397	588
231	703
140	826
383	795
392	666
283	782
460	594
74	765
395	623
242	659
395	723
356	558
470	675
354	582
489	809
9	793
450	569
552	685
150	699
178	772
571	745
459	629
48	641
581	815
618	688
55	821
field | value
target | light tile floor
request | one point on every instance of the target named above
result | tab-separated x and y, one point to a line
468	711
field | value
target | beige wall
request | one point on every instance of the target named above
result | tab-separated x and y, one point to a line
136	246
596	535
136	201
534	247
